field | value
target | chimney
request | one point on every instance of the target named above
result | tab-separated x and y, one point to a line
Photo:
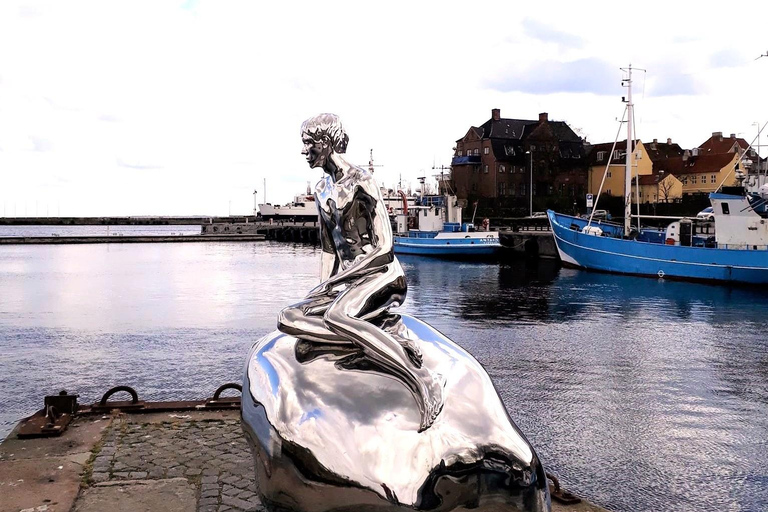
543	117
495	114
655	141
717	135
733	135
669	141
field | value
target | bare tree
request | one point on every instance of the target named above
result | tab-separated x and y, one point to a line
665	188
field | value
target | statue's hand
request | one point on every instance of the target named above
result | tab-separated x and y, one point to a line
320	290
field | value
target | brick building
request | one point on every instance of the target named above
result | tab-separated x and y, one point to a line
494	161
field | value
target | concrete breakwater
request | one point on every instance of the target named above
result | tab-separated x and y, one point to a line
305	232
21	240
532	241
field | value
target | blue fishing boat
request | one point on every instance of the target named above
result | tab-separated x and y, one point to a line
737	252
433	227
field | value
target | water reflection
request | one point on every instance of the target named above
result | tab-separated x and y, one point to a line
642	394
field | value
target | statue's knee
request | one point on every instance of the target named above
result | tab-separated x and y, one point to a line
287	317
333	319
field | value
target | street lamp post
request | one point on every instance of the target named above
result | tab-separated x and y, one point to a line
659	179
530	213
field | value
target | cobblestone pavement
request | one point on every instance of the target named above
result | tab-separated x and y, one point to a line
211	454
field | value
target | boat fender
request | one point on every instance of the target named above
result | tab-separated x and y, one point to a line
670	241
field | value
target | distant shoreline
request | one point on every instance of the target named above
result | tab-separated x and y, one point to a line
42	240
120	221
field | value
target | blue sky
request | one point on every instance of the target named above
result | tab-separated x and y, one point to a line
186	107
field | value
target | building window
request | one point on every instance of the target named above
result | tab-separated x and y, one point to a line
608	192
477	151
485	168
512	189
502	189
485	151
474	187
501	168
685	180
522	189
713	178
693	179
600	156
469	152
609	174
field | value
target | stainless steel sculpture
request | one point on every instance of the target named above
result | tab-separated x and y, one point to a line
351	407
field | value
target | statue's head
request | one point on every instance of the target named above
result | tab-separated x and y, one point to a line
322	135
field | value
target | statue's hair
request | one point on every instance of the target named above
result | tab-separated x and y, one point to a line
327	125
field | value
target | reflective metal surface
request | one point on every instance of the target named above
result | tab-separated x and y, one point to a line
351	407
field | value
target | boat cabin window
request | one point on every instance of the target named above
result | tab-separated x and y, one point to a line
726	210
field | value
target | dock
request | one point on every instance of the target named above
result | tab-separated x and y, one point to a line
141	239
186	461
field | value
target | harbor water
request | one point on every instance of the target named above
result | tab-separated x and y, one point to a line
640	394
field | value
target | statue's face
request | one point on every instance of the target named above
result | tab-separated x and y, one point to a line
316	152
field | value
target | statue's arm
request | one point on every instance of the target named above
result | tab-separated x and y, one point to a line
329	263
381	239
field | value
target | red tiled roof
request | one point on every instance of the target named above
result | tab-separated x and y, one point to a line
648	179
719	144
707	163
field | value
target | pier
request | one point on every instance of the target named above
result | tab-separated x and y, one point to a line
183	461
116	239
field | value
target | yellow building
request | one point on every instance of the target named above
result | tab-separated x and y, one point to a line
601	157
659	188
702	173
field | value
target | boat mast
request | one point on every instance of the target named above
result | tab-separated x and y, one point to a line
630	140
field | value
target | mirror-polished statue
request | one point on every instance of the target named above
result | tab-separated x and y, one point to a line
351	407
361	278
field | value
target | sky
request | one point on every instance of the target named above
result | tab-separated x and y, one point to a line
188	107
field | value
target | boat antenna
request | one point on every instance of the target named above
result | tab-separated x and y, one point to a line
370	163
637	175
627	82
607	166
443	182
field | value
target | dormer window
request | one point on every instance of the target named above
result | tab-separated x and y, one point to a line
600	156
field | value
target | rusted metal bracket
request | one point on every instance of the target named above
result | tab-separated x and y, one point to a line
133	405
59	410
229	402
560	494
52	419
139	406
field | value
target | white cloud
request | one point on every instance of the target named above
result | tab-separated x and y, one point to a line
181	107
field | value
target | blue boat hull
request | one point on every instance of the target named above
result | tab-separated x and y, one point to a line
621	256
432	247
